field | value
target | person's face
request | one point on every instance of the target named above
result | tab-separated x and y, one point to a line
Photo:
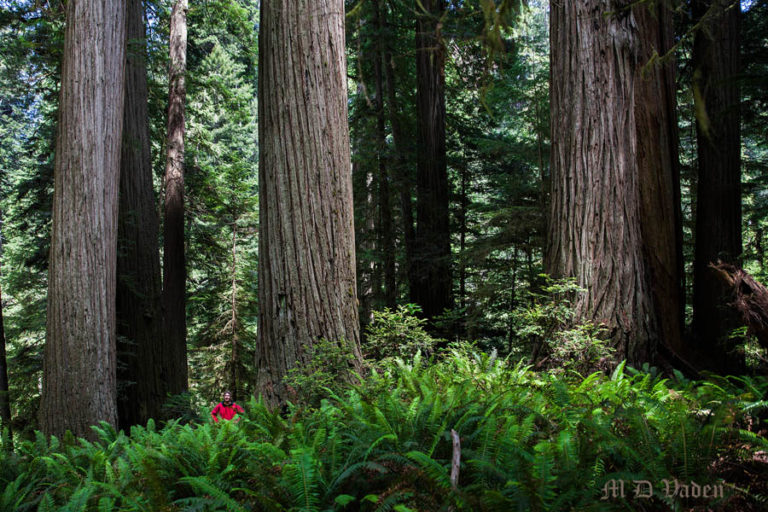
227	397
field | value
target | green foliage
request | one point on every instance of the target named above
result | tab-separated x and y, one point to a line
529	441
221	197
547	324
30	48
551	311
755	355
398	333
327	370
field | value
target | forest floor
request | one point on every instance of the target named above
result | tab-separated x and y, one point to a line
529	440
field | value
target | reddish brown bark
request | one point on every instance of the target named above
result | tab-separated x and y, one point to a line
174	347
611	185
431	286
659	169
79	362
307	288
139	318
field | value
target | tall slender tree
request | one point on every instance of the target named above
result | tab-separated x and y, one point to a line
79	362
174	351
386	228
400	172
307	288
431	287
139	318
718	213
5	397
607	176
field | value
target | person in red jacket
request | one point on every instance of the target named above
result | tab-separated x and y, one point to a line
227	409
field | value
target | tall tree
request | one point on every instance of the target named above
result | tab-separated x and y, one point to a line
5	397
139	318
431	287
659	168
307	288
718	212
79	362
174	349
400	171
602	161
386	228
365	152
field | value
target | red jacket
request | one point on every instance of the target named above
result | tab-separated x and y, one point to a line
226	412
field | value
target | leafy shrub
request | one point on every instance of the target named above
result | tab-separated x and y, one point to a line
398	333
559	343
328	370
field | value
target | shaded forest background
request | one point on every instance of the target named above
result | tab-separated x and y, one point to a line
489	286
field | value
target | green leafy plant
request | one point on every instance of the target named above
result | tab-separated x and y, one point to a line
557	341
398	333
328	369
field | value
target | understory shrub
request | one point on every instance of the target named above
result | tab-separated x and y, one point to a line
398	333
556	341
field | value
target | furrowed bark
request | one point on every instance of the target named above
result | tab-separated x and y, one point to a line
307	288
139	317
614	176
432	283
174	348
79	361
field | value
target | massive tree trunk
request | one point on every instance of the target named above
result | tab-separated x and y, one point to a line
718	212
141	391
603	162
431	287
79	362
307	288
174	348
659	170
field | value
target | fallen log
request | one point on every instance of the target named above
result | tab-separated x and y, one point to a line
749	298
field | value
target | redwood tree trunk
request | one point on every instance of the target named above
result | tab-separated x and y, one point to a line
386	231
431	287
368	270
139	318
79	361
659	171
402	175
718	212
601	162
174	348
307	288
